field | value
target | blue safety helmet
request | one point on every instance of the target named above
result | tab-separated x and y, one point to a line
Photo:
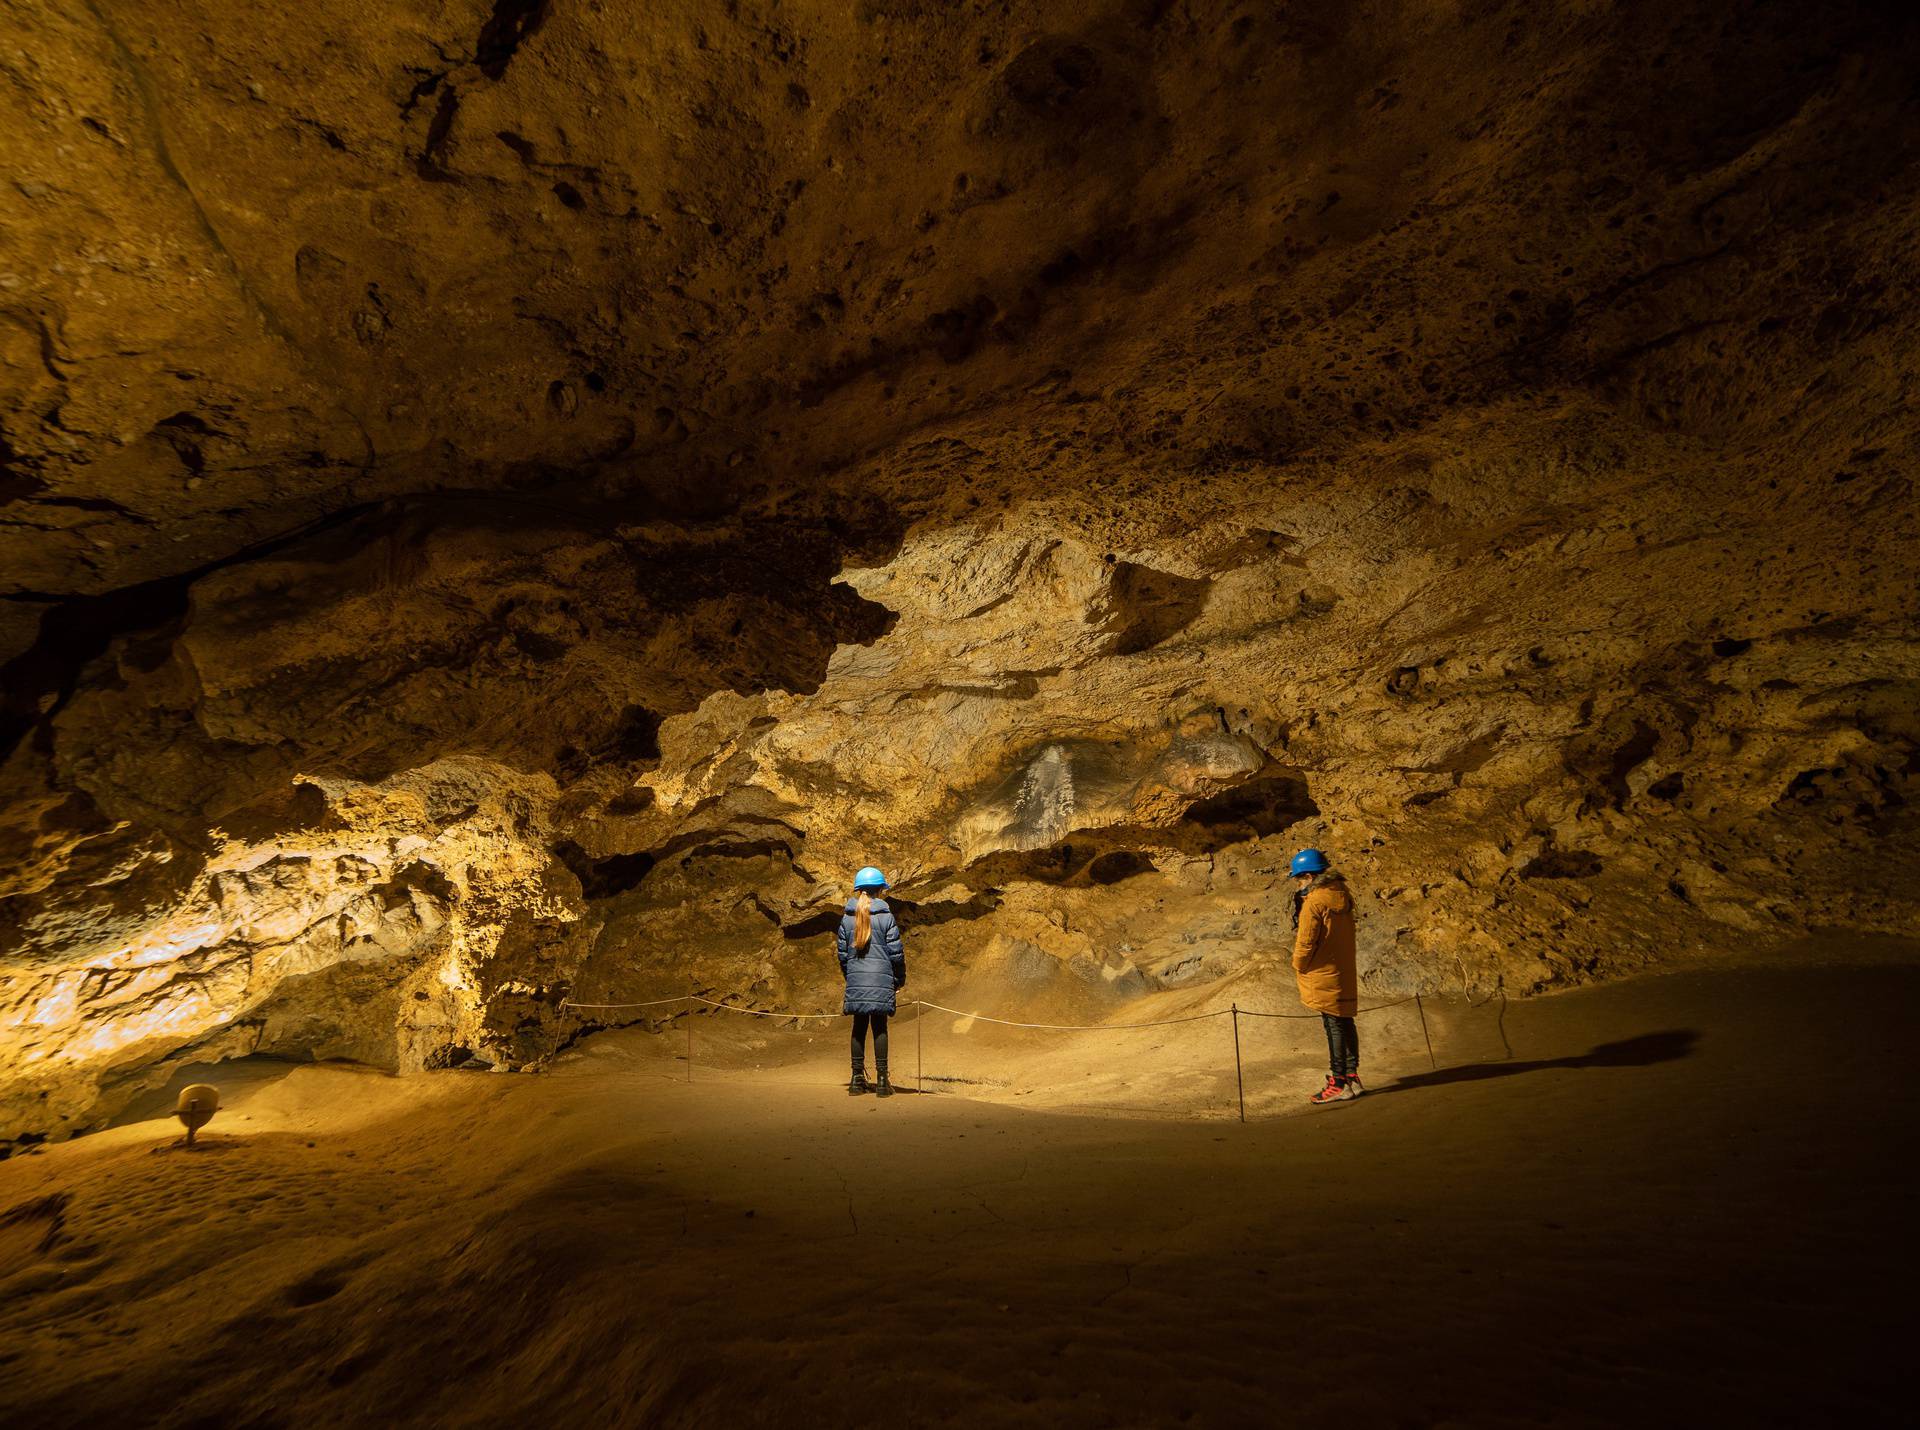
869	878
1309	861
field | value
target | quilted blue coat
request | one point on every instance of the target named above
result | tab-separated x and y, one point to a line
873	973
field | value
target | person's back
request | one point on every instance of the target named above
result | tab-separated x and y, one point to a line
1325	969
874	964
1329	981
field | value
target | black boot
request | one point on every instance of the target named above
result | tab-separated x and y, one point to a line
886	1088
858	1084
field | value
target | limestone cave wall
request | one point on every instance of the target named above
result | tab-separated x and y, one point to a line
507	502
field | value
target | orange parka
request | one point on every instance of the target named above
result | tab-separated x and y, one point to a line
1323	949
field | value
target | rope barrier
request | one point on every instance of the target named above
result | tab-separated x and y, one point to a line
1069	1027
656	1003
760	1012
689	998
1250	1013
979	1017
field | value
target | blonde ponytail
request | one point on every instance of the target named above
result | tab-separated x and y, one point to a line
862	921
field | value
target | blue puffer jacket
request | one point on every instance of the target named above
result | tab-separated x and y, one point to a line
872	975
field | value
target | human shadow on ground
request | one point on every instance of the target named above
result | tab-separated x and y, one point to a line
1640	1052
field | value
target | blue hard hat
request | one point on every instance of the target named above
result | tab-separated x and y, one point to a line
869	878
1309	861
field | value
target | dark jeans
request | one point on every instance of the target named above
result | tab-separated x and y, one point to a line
1343	1045
878	1021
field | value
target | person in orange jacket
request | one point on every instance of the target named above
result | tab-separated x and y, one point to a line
1324	967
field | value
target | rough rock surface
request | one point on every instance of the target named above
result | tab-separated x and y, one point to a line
507	502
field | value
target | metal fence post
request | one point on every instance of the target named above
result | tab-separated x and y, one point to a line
689	1027
1238	1078
1431	1061
919	1045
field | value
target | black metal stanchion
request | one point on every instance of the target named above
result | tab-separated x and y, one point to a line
1239	1079
919	1045
689	1027
1431	1061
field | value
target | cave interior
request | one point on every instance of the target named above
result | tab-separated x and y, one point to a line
506	504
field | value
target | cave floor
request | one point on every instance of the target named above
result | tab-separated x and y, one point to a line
1681	1199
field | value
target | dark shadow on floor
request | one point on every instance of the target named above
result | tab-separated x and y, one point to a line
1640	1052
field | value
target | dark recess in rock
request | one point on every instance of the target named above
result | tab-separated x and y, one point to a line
1253	810
604	878
1059	863
74	630
813	925
1628	758
909	912
427	164
914	915
302	805
1151	606
1605	759
505	31
738	849
427	879
1118	864
1561	864
16	483
630	802
636	739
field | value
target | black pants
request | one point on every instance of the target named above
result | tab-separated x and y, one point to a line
878	1021
1343	1045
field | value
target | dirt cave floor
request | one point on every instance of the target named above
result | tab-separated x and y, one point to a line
1677	1201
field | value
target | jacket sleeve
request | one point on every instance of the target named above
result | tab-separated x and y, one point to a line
1311	933
843	941
896	951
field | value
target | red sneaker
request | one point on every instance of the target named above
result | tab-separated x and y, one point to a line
1353	1086
1334	1091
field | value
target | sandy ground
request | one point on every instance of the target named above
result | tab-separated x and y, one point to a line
1678	1201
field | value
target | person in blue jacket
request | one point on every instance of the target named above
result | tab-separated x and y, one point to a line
875	966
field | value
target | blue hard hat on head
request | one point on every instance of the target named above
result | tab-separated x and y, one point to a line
1309	861
869	878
